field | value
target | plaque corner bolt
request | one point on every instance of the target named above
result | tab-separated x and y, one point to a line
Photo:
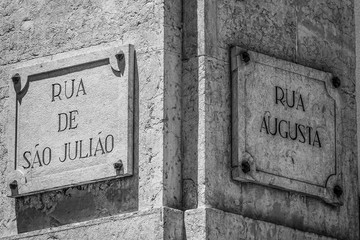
336	82
120	56
14	188
245	166
13	185
118	165
245	56
338	191
16	78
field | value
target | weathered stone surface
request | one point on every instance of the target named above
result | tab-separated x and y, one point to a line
71	120
52	28
159	223
209	223
32	31
272	28
172	131
7	206
357	37
285	119
313	33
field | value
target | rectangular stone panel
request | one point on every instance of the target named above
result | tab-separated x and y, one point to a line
72	120
286	123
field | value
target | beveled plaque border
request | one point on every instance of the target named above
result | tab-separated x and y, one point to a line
240	69
87	58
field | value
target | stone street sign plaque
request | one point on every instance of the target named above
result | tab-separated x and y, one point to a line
286	124
72	120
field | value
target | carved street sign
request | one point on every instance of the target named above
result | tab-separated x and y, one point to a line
286	124
72	120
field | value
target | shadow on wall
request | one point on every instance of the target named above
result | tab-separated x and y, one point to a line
190	104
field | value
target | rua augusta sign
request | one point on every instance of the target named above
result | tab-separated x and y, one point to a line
285	126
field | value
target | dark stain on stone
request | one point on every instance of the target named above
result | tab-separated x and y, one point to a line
75	204
297	221
81	202
54	222
30	219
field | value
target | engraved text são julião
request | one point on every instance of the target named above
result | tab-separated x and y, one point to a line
68	121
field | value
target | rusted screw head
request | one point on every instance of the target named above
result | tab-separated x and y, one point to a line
337	191
118	165
245	166
245	57
336	82
13	185
16	78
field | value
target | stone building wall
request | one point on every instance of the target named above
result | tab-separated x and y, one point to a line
181	187
317	34
35	31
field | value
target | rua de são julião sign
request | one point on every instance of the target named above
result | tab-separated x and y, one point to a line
72	119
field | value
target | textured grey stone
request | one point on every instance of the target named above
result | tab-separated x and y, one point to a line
32	31
159	223
285	123
314	33
276	29
209	223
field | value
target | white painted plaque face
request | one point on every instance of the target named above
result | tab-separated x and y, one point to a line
73	120
285	126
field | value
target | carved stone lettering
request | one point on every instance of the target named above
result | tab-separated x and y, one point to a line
285	126
72	120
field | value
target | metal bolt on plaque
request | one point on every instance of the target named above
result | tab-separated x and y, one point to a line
245	57
338	191
16	78
120	62
120	57
14	188
118	166
336	82
245	166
